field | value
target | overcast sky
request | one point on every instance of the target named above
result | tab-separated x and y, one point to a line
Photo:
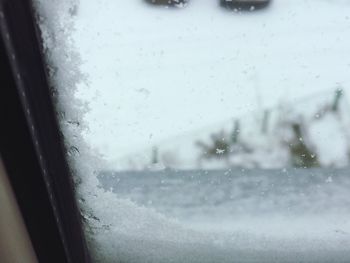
155	73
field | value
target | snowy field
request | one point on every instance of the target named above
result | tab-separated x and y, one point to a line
226	195
297	215
150	73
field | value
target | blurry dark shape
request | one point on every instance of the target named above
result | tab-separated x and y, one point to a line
155	158
330	107
249	5
237	145
171	3
235	133
219	146
338	95
301	154
265	121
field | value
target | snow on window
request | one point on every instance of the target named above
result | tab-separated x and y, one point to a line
205	134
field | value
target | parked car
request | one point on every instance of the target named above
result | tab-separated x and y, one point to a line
175	3
245	4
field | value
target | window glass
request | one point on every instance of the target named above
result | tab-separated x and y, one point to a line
205	131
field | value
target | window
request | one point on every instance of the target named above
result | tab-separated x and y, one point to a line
205	131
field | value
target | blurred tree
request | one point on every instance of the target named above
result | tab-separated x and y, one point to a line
265	121
218	148
337	97
154	159
301	154
235	132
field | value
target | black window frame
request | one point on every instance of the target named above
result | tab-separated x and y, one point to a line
31	143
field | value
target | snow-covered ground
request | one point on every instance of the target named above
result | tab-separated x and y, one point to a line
296	215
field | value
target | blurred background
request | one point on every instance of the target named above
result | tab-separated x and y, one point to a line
211	110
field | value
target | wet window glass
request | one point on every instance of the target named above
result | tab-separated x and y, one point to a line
205	131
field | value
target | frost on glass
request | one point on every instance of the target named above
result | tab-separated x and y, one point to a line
203	135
